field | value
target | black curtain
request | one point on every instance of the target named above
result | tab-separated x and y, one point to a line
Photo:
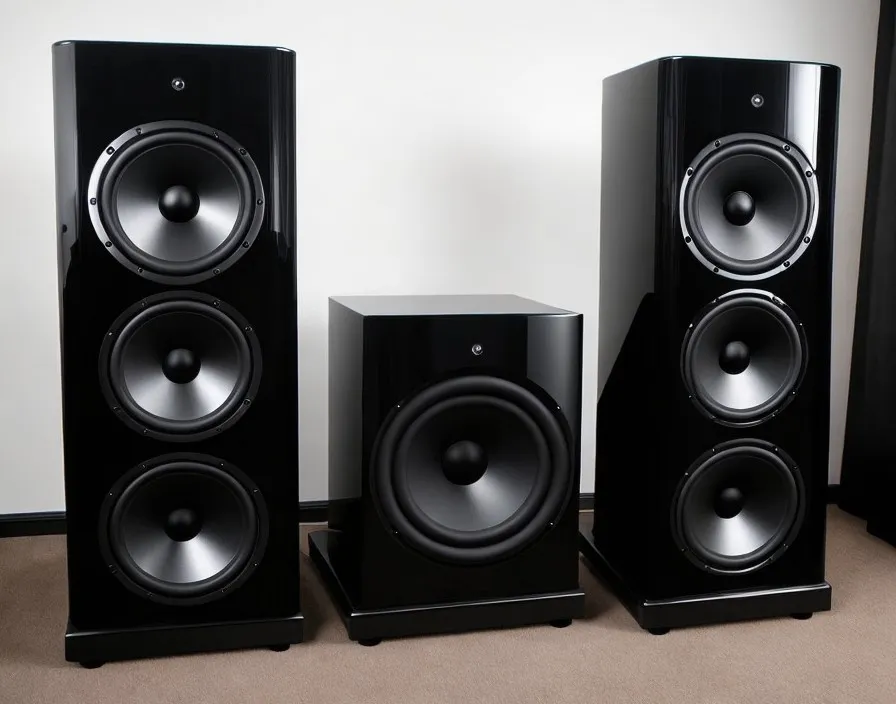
869	453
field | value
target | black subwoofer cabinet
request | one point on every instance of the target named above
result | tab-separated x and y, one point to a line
714	339
454	464
175	175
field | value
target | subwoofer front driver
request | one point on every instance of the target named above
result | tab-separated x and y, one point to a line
471	470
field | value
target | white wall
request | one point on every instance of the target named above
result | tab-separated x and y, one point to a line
444	146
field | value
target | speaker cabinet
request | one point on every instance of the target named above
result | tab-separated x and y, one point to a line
454	464
175	178
714	347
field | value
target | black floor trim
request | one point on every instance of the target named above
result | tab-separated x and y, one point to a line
16	525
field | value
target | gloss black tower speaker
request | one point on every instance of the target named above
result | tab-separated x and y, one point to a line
714	347
175	176
454	464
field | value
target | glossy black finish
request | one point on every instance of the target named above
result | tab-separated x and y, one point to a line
101	90
370	626
94	648
867	478
384	350
657	118
658	615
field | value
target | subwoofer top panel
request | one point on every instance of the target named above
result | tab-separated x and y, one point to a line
446	305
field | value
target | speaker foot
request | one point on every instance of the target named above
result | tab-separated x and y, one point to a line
561	622
370	642
802	616
280	647
92	664
657	631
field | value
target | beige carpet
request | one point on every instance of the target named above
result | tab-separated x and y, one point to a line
842	657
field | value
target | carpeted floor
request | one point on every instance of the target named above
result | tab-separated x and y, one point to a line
842	657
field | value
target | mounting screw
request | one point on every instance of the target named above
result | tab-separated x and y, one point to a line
715	270
108	244
807	240
139	269
259	201
247	402
246	244
216	272
146	431
215	135
809	173
786	147
93	201
242	151
717	143
139	130
109	150
216	303
477	349
248	328
687	239
786	264
689	172
757	101
178	84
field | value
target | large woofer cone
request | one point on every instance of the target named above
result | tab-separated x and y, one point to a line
180	366
738	507
178	202
471	470
183	529
749	204
743	357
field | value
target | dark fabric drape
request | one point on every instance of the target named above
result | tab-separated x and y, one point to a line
869	454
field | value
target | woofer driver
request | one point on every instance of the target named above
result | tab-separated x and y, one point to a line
738	507
183	529
743	357
180	366
748	206
471	470
177	202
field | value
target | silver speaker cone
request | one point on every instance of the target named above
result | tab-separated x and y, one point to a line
738	506
743	357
